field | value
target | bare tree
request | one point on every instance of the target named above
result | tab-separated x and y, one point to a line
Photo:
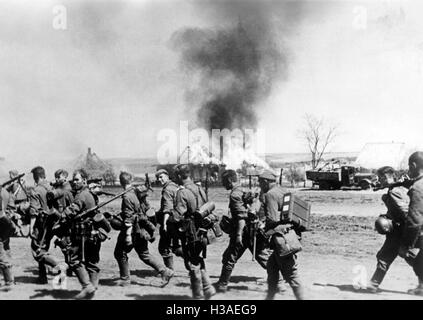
318	134
295	174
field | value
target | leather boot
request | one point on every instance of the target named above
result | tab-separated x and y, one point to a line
123	269
94	279
373	287
298	292
168	262
9	280
418	291
88	289
209	290
376	280
196	284
271	291
125	279
167	274
222	284
42	273
281	285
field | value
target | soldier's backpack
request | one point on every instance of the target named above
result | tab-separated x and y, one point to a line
202	221
295	210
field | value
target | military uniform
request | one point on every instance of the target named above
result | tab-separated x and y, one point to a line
63	196
42	232
235	251
84	250
60	198
286	264
133	211
412	234
168	242
17	194
188	199
6	230
397	202
16	207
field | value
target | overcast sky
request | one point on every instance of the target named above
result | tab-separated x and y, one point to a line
111	80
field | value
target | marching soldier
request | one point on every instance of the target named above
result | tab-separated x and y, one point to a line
240	239
283	239
41	228
189	198
18	204
396	201
17	191
168	242
60	198
412	235
135	234
85	237
6	230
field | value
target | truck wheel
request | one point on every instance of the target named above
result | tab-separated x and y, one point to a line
337	186
364	185
323	185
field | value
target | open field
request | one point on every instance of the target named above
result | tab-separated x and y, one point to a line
342	238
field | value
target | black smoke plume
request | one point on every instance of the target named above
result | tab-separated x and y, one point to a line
231	69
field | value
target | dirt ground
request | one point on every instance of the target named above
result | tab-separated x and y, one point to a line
338	252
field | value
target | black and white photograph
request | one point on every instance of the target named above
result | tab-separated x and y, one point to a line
186	150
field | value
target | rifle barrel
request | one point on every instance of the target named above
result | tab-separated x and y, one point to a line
105	193
405	183
12	180
104	203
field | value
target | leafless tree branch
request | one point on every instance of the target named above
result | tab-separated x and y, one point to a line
318	135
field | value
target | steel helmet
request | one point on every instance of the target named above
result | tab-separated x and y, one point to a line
383	225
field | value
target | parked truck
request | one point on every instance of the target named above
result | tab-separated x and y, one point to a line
335	176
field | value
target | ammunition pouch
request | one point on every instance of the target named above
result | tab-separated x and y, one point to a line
80	229
87	230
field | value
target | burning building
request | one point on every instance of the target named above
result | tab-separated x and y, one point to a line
231	70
